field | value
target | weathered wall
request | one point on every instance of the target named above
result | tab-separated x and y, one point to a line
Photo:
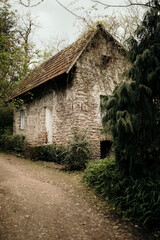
77	107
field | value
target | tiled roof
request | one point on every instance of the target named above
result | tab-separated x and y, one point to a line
57	65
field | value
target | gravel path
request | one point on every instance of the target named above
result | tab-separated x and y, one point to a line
38	201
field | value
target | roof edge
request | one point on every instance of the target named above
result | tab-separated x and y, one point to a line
91	32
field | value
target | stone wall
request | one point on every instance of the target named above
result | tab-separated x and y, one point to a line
77	107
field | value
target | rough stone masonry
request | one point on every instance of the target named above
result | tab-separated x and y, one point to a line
77	106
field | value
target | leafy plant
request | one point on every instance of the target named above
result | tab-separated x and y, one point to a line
104	177
135	198
13	143
78	152
140	201
50	153
74	155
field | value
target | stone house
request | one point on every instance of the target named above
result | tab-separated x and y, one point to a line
67	91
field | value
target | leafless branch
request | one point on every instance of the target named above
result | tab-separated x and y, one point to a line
73	13
29	3
130	4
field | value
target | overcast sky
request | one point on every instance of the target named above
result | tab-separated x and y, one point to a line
55	21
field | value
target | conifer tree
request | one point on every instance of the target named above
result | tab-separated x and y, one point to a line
133	111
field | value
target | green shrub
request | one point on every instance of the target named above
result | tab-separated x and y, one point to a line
19	143
74	155
104	177
50	153
13	143
137	199
78	153
44	153
60	153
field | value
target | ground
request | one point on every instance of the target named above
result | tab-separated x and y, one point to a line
40	201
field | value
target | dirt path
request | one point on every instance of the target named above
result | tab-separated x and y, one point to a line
38	201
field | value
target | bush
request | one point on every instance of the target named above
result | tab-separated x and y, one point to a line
104	177
13	143
137	199
44	153
78	153
60	153
74	156
50	153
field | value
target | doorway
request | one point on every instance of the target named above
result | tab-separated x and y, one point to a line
105	148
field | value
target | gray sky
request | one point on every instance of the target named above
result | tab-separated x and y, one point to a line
55	21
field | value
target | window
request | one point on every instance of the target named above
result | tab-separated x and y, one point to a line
48	124
106	60
22	118
103	98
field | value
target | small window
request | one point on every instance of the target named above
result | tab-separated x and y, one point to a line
49	125
103	98
22	116
106	60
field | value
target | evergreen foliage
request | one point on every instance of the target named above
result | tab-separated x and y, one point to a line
133	111
144	51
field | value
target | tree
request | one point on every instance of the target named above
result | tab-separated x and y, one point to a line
133	111
145	49
120	24
129	3
18	53
6	120
30	3
55	45
11	52
27	25
15	58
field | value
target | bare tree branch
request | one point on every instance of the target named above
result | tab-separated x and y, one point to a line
29	3
130	4
74	14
